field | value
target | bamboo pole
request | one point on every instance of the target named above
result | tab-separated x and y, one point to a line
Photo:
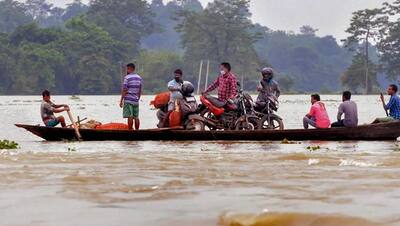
367	63
242	82
199	81
78	135
207	74
121	72
78	122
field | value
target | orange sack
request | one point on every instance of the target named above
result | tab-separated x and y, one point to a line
161	100
113	126
175	118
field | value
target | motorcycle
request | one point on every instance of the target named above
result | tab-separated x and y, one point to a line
189	106
232	115
266	111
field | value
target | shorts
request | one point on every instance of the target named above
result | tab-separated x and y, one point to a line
131	111
52	123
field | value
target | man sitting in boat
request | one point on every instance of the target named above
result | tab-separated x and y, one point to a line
393	106
267	88
174	86
349	109
226	84
47	110
131	93
318	116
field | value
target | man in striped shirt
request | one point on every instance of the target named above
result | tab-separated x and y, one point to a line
131	92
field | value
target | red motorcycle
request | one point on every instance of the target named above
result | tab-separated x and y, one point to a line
235	115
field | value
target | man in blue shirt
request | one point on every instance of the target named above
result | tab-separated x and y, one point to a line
393	106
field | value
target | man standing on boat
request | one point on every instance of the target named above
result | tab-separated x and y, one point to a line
131	93
318	116
349	109
226	84
47	110
393	106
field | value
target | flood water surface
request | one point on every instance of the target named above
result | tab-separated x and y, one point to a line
194	183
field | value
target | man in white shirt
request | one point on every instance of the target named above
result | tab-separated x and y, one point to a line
174	86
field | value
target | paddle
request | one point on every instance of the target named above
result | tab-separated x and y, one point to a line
78	135
383	102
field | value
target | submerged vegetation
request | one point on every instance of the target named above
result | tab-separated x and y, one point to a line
74	97
6	144
286	141
314	148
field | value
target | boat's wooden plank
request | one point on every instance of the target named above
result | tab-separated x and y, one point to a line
386	131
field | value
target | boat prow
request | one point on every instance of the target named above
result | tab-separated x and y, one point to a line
373	132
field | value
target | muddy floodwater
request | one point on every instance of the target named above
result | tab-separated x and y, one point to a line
194	183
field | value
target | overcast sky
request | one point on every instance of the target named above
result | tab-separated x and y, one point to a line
331	17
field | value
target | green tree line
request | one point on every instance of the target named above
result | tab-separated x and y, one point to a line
379	27
79	49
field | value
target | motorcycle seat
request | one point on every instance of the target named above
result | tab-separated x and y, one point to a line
214	101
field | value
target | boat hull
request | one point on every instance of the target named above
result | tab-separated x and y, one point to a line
376	132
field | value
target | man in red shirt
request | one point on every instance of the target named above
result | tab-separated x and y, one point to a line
318	116
226	84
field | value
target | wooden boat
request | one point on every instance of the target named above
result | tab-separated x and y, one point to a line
375	132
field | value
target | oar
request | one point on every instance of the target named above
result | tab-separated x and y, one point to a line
383	102
78	135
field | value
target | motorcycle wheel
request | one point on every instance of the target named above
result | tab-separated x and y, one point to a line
252	124
195	125
274	123
209	116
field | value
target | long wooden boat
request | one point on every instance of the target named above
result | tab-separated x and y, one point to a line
375	132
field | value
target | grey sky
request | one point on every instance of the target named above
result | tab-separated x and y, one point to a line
331	17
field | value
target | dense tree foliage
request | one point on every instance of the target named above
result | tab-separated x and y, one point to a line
157	69
126	20
12	15
312	62
366	25
356	73
79	49
390	49
382	27
82	58
389	45
165	38
221	32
